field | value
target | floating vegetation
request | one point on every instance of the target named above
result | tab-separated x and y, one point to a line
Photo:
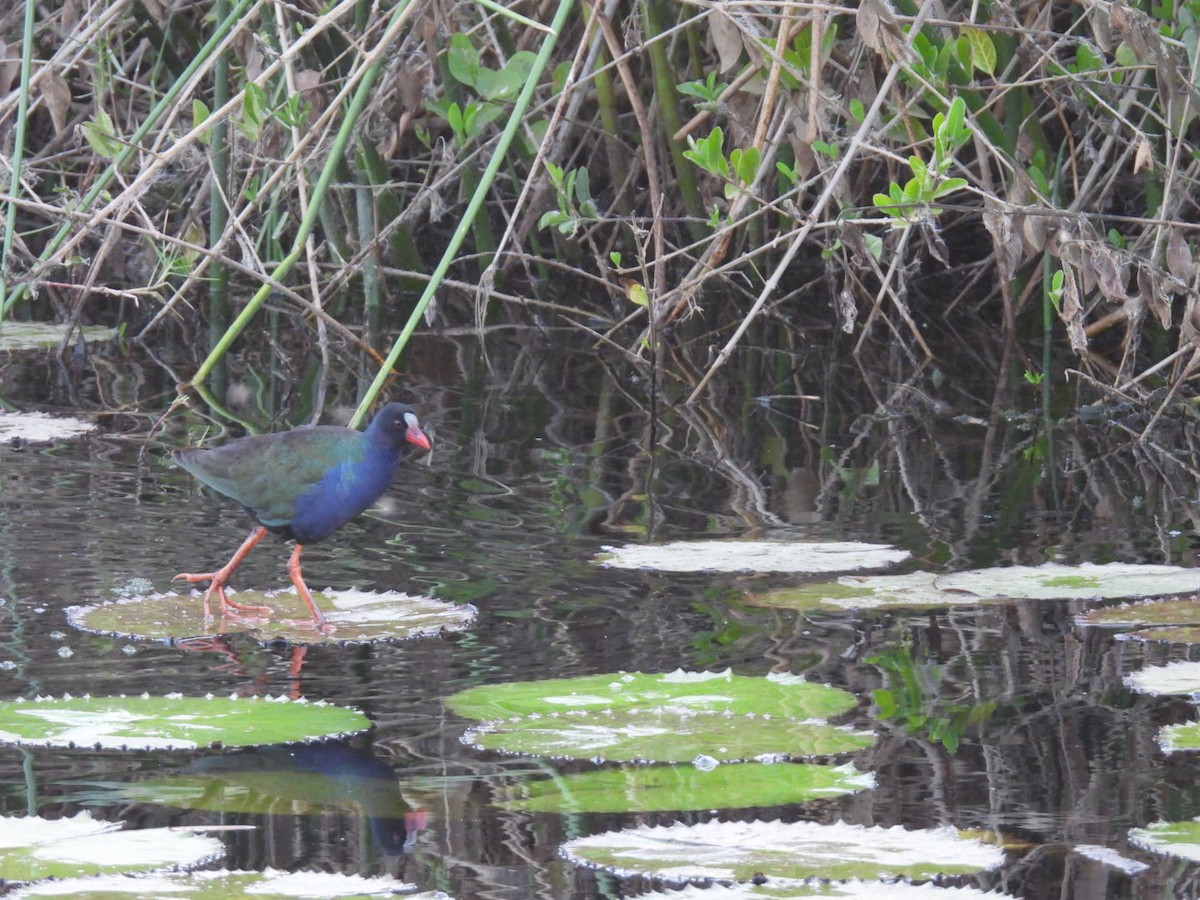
1181	839
665	735
40	428
269	884
654	788
685	692
172	722
739	851
46	335
33	848
814	557
1049	581
355	617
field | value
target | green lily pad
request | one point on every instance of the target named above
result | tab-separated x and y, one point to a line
1184	634
172	722
1175	738
660	735
1087	581
775	695
736	851
917	589
753	556
1173	838
355	617
270	884
38	428
1049	581
43	335
1179	611
791	889
1169	679
654	788
32	848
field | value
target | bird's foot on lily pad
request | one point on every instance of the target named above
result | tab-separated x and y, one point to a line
216	588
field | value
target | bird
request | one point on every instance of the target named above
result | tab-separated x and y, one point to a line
303	484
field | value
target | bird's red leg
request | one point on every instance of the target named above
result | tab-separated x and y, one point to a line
302	589
217	580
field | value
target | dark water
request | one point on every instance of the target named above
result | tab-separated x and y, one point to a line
1021	725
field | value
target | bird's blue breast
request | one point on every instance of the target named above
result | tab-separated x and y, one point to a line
345	491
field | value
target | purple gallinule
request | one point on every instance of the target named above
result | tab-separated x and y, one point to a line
302	484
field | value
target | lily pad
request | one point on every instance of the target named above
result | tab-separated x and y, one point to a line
791	889
654	788
663	735
1173	838
172	722
1049	581
737	851
1111	858
915	589
1087	581
1178	611
32	848
270	884
43	335
39	428
775	695
1172	678
1175	738
355	617
753	556
1172	634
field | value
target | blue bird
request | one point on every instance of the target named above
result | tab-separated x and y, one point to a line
303	484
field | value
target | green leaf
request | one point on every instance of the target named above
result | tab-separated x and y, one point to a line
1178	839
874	244
753	556
884	202
34	848
1087	59
255	108
200	114
949	186
294	112
101	136
583	191
830	150
976	587
1125	56
745	164
983	51
739	851
511	79
269	884
563	221
172	722
666	735
857	111
636	294
43	335
462	59
708	153
355	616
788	696
652	788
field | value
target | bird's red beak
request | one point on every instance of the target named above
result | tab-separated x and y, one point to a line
415	435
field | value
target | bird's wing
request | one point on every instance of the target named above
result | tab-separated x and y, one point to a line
268	473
